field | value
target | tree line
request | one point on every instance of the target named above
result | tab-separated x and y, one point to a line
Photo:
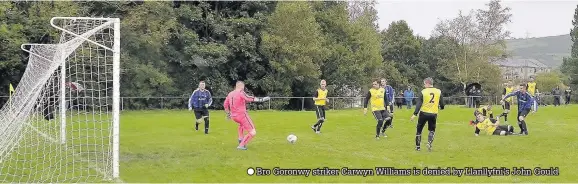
570	64
278	48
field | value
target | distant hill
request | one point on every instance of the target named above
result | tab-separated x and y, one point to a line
548	50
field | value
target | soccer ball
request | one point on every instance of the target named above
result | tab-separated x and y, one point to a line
292	138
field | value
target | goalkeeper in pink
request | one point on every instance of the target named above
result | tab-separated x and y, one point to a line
236	109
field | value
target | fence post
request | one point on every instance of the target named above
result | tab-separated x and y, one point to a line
162	102
351	104
121	103
302	103
270	104
333	104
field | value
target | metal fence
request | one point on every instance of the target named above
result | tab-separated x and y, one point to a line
298	103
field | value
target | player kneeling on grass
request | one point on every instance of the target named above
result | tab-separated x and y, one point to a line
492	126
236	109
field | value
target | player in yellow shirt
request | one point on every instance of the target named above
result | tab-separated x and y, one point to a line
376	96
492	126
321	100
533	89
428	105
484	110
506	105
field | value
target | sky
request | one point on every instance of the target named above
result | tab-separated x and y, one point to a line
530	18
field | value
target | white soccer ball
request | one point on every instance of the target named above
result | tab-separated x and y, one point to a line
292	138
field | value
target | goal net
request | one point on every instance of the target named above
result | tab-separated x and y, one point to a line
62	123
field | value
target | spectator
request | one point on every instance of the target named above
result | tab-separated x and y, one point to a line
568	93
408	94
471	95
476	96
556	92
399	100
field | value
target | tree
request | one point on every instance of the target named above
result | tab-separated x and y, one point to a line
401	47
363	9
146	31
480	37
491	23
549	80
353	48
434	52
278	48
26	22
491	43
293	44
574	35
219	42
570	65
459	34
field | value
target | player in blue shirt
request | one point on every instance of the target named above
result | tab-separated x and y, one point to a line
389	95
525	103
200	101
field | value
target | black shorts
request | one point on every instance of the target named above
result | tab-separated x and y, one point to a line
381	114
523	112
320	112
201	112
506	105
499	129
428	118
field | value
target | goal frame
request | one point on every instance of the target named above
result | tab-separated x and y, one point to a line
115	88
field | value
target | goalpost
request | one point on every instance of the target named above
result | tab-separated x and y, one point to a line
62	124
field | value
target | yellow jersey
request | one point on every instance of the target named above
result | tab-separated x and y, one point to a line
508	90
377	99
430	101
321	94
485	112
531	87
487	125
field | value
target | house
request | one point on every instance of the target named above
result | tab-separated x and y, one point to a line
519	68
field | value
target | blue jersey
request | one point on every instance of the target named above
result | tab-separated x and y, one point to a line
200	98
525	100
389	93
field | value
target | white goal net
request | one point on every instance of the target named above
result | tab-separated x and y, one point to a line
62	123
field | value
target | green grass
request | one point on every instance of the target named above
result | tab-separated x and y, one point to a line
39	157
162	146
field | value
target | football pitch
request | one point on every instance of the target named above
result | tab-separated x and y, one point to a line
162	146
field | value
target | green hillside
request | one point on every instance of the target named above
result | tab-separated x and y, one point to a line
549	50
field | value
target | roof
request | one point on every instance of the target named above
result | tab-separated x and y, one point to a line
515	62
